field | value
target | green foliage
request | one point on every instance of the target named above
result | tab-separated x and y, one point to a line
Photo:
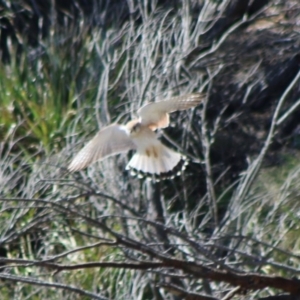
39	91
40	107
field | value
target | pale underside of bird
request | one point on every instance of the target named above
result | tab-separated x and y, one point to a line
152	159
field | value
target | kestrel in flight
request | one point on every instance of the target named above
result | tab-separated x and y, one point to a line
152	159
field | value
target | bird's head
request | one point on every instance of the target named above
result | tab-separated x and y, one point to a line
134	127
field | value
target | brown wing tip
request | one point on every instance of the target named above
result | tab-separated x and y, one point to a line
75	166
196	97
72	169
176	171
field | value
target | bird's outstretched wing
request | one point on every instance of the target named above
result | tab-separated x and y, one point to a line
111	140
155	115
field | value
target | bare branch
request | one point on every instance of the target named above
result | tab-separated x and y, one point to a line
37	282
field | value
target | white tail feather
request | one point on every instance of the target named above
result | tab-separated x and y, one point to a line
155	161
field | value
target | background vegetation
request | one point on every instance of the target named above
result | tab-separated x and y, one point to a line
228	228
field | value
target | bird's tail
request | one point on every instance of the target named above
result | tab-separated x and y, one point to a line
157	162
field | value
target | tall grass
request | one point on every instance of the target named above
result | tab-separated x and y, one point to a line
38	96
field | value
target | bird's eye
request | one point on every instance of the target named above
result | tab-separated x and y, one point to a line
135	128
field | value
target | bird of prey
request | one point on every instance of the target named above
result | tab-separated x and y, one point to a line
152	159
